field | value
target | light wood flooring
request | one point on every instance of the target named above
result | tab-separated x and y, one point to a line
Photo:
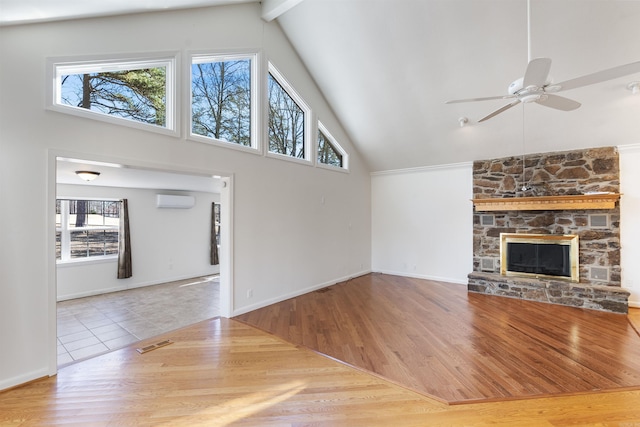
439	340
221	372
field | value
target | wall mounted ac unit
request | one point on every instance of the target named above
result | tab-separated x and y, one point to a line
170	201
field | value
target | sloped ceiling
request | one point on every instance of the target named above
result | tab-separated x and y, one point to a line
387	67
27	11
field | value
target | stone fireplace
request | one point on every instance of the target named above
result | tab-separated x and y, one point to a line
571	193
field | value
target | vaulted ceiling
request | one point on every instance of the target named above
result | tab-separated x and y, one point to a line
387	67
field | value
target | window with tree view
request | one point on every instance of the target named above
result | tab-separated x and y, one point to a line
221	99
328	154
86	228
286	121
128	90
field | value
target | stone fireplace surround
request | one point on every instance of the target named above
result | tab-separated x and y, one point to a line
550	174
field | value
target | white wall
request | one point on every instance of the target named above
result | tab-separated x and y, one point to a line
286	241
422	222
408	220
166	244
630	220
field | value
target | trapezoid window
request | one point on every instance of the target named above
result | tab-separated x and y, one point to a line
138	91
330	153
288	117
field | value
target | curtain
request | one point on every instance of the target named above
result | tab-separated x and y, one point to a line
124	243
214	239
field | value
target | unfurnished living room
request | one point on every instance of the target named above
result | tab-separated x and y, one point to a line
320	212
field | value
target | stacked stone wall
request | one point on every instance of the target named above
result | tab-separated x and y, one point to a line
550	174
602	298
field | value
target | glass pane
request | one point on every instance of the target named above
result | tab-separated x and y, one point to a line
286	122
327	153
216	212
138	95
111	242
79	244
58	216
95	214
58	245
78	213
221	100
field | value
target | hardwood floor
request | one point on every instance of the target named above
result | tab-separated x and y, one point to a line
634	318
437	339
222	372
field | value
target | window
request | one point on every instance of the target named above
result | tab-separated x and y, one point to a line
138	92
222	99
86	228
329	151
288	116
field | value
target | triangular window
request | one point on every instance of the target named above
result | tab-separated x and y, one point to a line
329	151
288	116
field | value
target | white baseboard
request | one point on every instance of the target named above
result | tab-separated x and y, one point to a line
280	298
94	292
425	276
24	378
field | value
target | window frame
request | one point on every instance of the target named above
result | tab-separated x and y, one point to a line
345	156
65	255
202	57
56	67
307	139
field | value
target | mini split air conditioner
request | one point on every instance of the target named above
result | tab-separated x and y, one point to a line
170	201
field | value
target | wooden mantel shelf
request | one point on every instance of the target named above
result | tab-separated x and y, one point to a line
548	203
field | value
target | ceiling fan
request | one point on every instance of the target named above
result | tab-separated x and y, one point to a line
536	85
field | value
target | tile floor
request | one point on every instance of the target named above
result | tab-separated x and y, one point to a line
98	324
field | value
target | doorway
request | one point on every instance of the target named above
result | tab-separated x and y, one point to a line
92	320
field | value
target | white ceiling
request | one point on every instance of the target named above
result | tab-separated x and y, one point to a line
115	175
25	11
386	68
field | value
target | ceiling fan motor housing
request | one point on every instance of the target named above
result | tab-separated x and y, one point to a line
515	86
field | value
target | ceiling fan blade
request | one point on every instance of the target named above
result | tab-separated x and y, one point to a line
488	98
558	102
537	72
499	110
600	76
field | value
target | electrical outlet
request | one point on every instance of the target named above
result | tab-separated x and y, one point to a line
249	293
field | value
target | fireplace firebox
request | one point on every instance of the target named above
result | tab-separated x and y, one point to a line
539	255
